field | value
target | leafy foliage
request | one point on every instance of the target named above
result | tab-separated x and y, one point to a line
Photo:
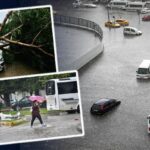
30	37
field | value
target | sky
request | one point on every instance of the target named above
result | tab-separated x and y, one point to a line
2	15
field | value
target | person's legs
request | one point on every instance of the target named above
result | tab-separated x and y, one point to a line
33	118
40	118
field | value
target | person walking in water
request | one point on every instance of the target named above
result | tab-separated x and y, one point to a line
36	113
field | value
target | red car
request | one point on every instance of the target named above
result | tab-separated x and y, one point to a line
146	18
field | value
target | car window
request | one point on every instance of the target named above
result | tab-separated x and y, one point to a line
132	30
127	29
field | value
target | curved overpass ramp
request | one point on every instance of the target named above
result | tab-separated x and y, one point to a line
78	41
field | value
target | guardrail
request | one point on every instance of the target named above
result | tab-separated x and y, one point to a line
78	22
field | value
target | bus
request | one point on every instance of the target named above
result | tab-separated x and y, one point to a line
143	71
135	6
62	94
120	4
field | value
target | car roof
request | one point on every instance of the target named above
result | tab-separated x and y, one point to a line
104	100
130	28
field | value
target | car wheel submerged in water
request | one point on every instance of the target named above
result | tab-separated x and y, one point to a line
104	105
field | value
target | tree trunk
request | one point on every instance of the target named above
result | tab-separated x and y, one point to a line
6	99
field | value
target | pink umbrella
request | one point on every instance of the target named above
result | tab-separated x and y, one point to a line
37	98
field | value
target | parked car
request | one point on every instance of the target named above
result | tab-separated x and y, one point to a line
146	18
25	102
104	105
2	63
122	22
148	123
112	24
131	31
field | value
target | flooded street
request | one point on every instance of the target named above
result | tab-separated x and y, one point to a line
17	69
111	75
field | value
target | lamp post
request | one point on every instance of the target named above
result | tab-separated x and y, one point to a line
108	14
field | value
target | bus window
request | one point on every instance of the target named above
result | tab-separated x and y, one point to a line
67	87
50	88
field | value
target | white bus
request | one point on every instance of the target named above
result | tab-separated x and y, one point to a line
143	71
120	4
135	6
62	94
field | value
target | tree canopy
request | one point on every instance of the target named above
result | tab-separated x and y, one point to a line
30	85
28	34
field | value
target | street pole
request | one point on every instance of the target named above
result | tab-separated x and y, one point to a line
108	14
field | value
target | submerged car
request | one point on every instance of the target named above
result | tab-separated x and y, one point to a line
122	22
131	31
112	24
104	105
146	18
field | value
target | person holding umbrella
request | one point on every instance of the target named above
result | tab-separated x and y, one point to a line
36	110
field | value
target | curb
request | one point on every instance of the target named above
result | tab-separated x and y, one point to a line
11	124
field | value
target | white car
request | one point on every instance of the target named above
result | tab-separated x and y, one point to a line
78	4
131	31
2	64
145	10
148	123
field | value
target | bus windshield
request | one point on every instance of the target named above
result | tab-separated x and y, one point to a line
67	87
143	71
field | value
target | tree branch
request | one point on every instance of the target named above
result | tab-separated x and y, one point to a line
40	33
26	45
12	31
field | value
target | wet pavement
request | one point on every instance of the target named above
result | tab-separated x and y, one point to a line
56	127
113	74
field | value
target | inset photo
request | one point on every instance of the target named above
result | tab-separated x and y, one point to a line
27	41
40	107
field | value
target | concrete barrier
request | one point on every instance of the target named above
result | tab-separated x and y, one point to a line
88	26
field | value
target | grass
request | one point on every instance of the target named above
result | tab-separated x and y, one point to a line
27	111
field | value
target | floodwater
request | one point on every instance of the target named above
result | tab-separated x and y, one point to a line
113	74
18	69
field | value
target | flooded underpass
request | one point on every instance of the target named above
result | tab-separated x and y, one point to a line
18	68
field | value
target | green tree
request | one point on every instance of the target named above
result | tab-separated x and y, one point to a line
29	36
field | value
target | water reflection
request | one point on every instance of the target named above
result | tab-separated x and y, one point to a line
18	68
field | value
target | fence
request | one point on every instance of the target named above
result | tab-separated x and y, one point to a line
78	22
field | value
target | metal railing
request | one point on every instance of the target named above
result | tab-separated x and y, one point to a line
78	22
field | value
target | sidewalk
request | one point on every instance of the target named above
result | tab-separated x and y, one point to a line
56	126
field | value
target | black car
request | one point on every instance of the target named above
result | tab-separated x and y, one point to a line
25	102
104	105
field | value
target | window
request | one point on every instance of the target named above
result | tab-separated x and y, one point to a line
132	30
50	88
67	87
142	71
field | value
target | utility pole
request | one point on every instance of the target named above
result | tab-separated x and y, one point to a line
108	14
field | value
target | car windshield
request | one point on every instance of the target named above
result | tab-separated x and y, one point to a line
101	101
